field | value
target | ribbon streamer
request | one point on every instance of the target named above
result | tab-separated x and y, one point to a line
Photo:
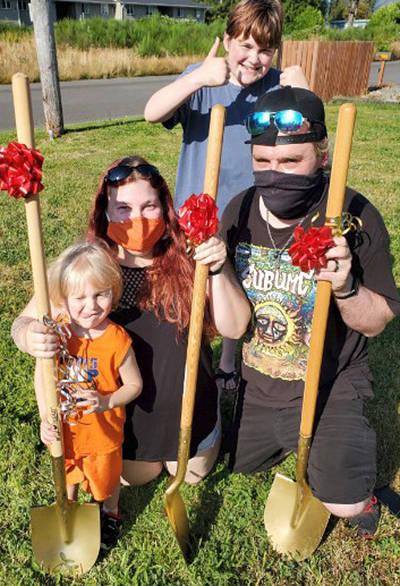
69	375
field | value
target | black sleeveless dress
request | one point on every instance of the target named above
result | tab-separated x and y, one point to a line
153	419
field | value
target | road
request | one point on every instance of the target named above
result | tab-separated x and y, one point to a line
107	99
89	100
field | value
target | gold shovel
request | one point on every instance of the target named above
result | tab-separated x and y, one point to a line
174	505
295	520
64	536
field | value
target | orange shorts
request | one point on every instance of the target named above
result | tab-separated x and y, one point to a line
98	474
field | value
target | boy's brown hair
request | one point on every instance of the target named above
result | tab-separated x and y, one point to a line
261	19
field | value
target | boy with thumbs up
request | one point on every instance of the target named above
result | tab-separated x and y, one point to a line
235	81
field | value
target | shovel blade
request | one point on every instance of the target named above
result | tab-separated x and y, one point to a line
51	550
298	540
177	517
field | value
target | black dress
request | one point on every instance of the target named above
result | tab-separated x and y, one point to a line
153	419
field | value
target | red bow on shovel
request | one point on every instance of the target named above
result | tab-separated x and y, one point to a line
65	536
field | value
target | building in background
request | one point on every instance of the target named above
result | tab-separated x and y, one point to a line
17	11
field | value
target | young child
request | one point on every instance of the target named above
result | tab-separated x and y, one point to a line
252	35
85	282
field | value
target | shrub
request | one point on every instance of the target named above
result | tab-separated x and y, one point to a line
152	36
309	22
13	33
293	8
384	26
386	16
347	34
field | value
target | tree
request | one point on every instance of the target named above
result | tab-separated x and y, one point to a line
352	13
47	60
343	9
219	9
292	9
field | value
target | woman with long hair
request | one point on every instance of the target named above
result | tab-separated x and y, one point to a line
133	212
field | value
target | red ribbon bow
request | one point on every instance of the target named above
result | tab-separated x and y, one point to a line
309	248
198	218
20	170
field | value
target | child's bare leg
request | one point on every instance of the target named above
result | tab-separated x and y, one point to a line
72	491
110	505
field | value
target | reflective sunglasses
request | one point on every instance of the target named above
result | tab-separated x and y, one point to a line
122	172
284	121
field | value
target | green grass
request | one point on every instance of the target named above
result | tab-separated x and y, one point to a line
226	511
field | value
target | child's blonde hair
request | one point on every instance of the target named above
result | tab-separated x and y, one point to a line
81	263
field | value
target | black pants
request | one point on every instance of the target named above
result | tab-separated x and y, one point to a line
342	461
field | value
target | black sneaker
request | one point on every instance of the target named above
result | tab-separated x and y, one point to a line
110	528
366	522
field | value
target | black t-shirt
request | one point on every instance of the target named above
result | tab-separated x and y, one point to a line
153	419
275	350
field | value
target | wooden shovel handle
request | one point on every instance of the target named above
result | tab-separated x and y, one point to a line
337	188
25	134
211	176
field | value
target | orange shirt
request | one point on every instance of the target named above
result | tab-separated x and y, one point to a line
97	433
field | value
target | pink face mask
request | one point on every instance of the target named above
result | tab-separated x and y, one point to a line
138	234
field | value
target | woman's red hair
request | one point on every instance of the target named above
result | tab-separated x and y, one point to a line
168	286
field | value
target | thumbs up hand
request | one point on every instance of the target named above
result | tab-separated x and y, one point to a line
214	70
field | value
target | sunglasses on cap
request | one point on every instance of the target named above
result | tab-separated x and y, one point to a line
122	172
284	121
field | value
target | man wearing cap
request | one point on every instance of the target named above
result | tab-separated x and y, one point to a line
289	151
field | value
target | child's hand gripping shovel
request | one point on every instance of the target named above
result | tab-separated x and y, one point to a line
64	536
174	505
295	520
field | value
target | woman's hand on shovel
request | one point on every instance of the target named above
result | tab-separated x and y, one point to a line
41	340
32	336
212	253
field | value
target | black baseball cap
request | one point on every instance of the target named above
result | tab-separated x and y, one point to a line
291	98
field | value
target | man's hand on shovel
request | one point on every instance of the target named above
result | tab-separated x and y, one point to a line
338	268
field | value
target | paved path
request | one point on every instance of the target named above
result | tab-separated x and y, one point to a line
106	99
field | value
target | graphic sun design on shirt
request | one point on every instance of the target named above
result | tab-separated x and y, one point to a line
283	302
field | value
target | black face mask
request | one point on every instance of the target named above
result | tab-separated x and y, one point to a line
287	195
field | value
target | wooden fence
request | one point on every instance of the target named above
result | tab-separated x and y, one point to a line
332	68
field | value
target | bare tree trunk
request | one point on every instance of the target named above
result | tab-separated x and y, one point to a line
352	13
47	60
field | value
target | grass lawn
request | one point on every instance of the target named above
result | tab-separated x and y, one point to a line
226	511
